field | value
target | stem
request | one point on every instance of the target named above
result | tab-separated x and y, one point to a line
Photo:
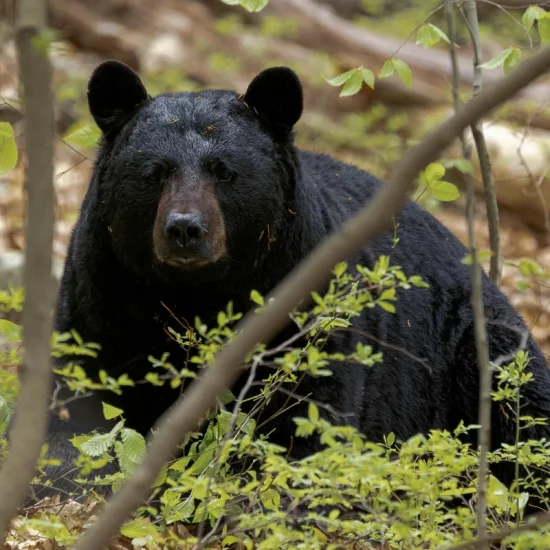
31	410
489	191
484	412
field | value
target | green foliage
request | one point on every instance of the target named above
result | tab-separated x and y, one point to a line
542	17
10	331
429	35
352	81
404	494
279	27
544	28
482	255
508	58
532	14
438	188
8	148
395	65
83	134
248	5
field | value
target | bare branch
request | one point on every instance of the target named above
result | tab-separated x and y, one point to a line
30	415
311	274
495	271
477	300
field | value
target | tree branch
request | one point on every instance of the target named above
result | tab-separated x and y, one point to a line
484	414
311	274
495	271
30	415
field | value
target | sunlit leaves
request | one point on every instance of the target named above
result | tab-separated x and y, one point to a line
83	134
429	35
248	5
110	412
508	58
438	188
482	255
544	28
352	81
532	14
8	148
395	65
10	331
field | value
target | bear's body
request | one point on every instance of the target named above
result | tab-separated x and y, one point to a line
231	160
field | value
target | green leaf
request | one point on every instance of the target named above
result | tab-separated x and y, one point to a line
512	61
368	78
531	14
248	5
256	297
499	59
133	444
429	35
387	69
390	440
83	134
462	164
313	412
403	71
101	443
254	5
10	331
340	268
387	306
110	412
544	28
439	189
481	255
227	397
444	191
98	444
8	148
352	85
497	494
341	78
139	527
433	172
439	33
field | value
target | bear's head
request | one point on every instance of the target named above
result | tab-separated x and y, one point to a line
191	184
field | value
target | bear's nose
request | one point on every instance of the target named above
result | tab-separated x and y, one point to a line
184	230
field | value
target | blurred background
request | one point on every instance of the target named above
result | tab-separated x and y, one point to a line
179	45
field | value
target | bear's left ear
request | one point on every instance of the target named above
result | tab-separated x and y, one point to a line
114	93
276	94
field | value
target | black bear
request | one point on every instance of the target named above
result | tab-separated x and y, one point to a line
198	198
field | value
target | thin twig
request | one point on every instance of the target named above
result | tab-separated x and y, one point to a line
484	414
495	271
313	273
31	410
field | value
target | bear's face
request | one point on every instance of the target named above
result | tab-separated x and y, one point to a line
191	184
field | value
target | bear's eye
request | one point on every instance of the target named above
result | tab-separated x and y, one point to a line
221	172
160	171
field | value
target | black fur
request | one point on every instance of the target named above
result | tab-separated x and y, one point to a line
281	205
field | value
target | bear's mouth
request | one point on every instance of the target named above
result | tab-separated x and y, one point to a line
186	262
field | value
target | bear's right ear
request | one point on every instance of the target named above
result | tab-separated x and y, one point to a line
114	93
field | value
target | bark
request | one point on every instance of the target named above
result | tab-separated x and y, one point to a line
31	411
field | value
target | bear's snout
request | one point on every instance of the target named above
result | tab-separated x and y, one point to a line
189	229
185	232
